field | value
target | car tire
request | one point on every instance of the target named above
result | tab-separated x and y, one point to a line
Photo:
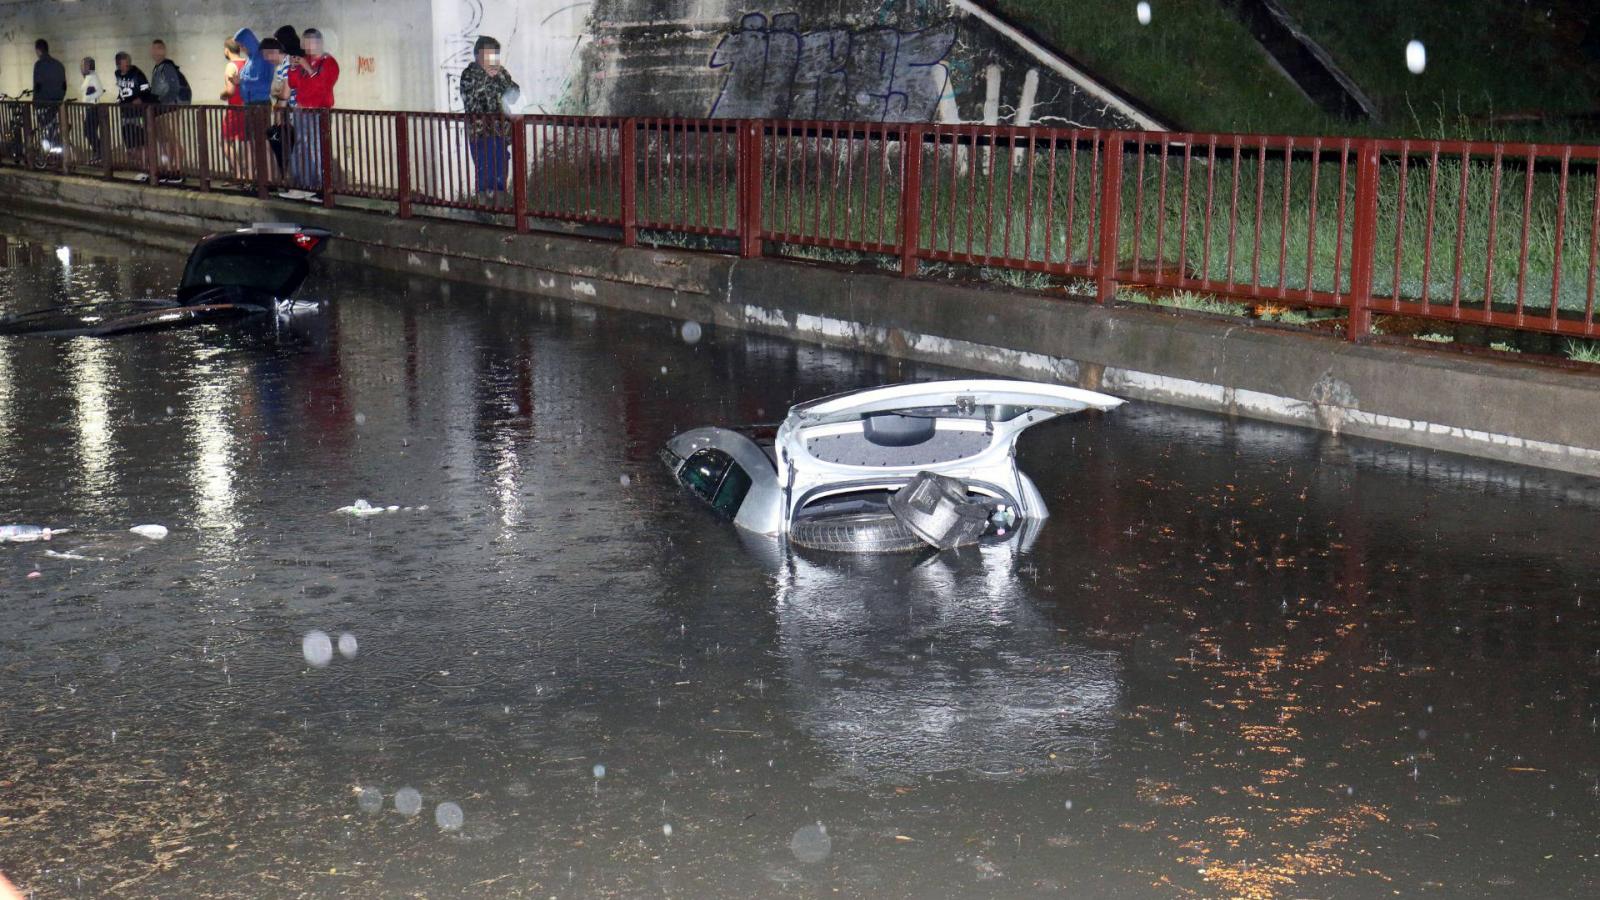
865	532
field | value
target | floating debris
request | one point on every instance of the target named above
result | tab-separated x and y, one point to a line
56	554
27	534
153	532
363	508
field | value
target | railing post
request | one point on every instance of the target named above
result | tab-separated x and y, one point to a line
1110	216
748	184
630	182
202	137
102	112
911	138
402	164
1363	237
63	134
519	173
152	145
261	121
30	143
325	125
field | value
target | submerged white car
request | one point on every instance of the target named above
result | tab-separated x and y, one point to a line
827	478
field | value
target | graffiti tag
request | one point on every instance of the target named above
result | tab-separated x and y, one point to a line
878	74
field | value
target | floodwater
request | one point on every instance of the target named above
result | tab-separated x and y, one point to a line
1239	660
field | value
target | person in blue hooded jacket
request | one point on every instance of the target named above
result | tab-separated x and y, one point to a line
255	79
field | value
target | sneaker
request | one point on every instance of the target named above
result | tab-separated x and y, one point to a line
170	179
142	178
296	194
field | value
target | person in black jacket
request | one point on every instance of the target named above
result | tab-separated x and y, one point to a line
133	92
49	75
49	88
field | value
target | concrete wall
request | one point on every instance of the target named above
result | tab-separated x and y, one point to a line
379	44
876	60
1511	411
872	60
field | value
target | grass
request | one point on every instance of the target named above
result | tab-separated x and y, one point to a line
1197	67
1538	63
1188	300
1194	65
1583	351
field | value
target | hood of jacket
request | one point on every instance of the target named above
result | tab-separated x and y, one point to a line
255	78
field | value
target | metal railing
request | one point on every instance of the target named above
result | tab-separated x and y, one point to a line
1491	234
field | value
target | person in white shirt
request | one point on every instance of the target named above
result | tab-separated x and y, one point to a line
93	92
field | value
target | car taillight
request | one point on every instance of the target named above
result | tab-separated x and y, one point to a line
306	242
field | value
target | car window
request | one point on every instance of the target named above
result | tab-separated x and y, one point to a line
703	472
734	486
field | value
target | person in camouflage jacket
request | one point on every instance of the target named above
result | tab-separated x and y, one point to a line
485	83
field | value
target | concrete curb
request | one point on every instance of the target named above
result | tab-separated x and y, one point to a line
1516	412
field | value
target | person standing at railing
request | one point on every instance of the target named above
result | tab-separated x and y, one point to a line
233	124
93	92
171	90
485	87
49	89
255	90
277	57
133	92
312	78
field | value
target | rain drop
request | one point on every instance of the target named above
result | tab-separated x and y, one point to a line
317	648
348	645
811	843
691	332
599	770
407	801
361	418
667	829
625	479
370	799
1142	11
448	816
1416	57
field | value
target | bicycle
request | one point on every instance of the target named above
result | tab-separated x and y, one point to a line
15	143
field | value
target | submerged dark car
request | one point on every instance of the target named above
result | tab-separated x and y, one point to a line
241	274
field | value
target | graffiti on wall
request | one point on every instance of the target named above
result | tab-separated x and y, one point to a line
455	45
773	69
540	41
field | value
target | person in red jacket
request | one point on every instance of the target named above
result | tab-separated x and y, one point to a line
312	78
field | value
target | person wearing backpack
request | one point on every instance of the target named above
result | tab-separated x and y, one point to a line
171	90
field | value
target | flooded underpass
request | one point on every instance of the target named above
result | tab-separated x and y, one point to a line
1238	660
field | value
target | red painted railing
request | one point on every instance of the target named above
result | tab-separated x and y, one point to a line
1500	235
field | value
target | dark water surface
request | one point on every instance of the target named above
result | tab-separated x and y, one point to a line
1239	660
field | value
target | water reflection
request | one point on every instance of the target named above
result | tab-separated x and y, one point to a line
89	370
211	404
1237	660
907	665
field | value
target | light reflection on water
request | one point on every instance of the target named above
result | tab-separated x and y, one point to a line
89	372
1237	660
